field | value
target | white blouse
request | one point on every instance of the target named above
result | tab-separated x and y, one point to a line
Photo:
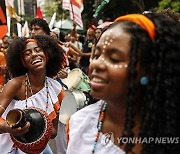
37	100
83	131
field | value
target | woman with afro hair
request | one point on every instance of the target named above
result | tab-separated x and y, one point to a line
135	72
32	63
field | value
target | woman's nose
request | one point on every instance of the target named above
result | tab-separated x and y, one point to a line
33	52
97	63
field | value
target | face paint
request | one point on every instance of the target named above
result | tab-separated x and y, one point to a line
111	65
108	67
107	41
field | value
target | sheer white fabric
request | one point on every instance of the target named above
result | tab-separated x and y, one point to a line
83	130
37	100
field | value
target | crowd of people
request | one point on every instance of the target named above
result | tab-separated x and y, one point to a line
133	67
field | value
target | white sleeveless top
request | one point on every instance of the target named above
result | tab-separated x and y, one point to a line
83	131
37	100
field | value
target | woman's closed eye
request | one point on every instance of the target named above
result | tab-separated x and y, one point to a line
114	58
29	52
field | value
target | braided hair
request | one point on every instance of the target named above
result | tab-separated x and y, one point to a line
159	60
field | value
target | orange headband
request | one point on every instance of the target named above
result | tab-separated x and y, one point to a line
31	40
142	21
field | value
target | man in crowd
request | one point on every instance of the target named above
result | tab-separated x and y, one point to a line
5	44
39	27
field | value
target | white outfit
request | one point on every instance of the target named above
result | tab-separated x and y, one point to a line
61	143
37	100
83	131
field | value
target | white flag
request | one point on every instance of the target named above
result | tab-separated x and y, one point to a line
66	5
51	24
75	8
25	30
19	28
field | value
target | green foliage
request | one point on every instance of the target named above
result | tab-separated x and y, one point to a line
169	4
52	6
26	18
176	6
111	10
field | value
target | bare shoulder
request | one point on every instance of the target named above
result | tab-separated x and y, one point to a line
14	85
16	82
13	89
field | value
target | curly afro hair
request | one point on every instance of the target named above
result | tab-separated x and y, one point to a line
16	48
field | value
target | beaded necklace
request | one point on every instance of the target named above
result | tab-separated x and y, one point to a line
27	83
100	124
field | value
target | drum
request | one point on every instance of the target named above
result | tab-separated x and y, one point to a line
77	80
73	101
35	140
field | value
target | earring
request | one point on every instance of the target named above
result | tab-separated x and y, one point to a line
144	80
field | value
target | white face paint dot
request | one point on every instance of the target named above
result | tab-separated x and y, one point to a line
115	66
110	64
106	42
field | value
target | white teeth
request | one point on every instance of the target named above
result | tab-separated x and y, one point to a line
97	80
36	61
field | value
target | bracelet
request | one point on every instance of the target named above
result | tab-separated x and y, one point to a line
2	107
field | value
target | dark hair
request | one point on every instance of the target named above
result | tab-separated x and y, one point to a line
55	54
171	14
4	36
41	23
159	60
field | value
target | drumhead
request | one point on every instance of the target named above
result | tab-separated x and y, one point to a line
72	102
74	77
80	99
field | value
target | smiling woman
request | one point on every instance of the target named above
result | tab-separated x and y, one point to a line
32	63
134	71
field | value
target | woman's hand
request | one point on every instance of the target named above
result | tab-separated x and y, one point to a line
5	128
63	73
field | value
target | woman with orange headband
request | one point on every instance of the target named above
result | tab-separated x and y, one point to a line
135	73
32	62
